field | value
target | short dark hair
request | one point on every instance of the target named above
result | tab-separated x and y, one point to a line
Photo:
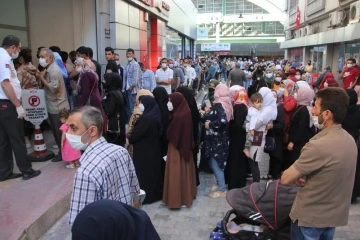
25	53
141	64
90	52
64	56
55	49
9	41
163	59
81	49
352	60
64	113
130	50
256	98
109	49
336	100
72	54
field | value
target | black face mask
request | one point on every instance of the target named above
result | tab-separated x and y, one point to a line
211	90
309	64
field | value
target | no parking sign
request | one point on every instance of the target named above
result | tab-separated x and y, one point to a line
33	102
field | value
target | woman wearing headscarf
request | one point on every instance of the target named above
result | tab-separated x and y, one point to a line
277	81
195	116
162	98
114	107
212	85
145	138
269	76
87	87
292	73
289	101
301	128
258	81
111	66
112	220
180	179
216	140
276	130
351	124
236	166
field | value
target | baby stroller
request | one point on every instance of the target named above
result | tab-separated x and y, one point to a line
261	213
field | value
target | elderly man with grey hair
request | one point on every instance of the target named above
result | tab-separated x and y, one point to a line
236	76
106	171
55	93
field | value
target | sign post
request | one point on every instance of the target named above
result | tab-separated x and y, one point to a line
33	102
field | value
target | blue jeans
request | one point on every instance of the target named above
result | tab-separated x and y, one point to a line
219	174
130	103
310	233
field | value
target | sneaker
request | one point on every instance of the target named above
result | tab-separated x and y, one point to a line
55	146
214	188
30	174
71	165
218	194
57	158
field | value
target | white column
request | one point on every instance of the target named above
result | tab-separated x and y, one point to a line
217	32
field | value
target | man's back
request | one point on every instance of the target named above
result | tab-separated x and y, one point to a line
329	163
237	77
106	172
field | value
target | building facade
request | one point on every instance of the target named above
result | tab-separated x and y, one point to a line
246	27
326	32
153	28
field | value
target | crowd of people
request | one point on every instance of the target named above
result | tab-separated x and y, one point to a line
128	128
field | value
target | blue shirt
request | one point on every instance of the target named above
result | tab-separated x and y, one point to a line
147	80
212	71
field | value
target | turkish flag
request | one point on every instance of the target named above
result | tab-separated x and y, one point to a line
297	18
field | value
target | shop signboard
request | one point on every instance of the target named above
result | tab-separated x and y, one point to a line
34	105
214	47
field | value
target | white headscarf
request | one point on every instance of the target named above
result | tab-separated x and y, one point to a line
268	110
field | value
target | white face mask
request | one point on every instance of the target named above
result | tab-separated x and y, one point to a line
278	79
349	65
117	62
15	55
141	107
129	59
281	89
258	78
316	122
170	106
269	75
163	65
78	69
297	77
42	62
75	141
171	65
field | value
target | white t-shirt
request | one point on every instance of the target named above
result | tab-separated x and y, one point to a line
252	117
162	75
7	71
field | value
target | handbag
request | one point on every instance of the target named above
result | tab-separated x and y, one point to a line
270	144
112	136
257	140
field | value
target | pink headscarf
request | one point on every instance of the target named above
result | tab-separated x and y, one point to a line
222	96
239	95
304	97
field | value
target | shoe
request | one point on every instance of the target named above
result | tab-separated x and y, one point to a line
214	188
218	194
71	165
12	176
55	146
57	158
31	174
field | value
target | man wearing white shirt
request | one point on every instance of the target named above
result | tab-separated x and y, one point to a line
11	131
164	76
190	73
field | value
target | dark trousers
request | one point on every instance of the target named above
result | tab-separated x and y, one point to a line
275	167
254	166
11	139
55	125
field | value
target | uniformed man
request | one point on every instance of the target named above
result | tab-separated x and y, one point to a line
11	113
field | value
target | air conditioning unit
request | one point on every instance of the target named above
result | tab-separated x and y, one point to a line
354	12
301	32
288	35
336	18
308	30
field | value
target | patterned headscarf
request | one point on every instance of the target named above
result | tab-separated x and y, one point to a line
87	66
239	95
222	96
136	111
291	86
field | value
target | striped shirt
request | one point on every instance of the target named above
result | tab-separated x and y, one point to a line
106	172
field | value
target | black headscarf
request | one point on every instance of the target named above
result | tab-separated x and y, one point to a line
353	98
111	65
151	110
162	98
195	115
112	220
112	81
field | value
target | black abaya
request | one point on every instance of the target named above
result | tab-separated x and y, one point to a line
147	158
162	98
236	167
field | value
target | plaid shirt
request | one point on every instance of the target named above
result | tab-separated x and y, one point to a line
147	80
132	76
106	172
